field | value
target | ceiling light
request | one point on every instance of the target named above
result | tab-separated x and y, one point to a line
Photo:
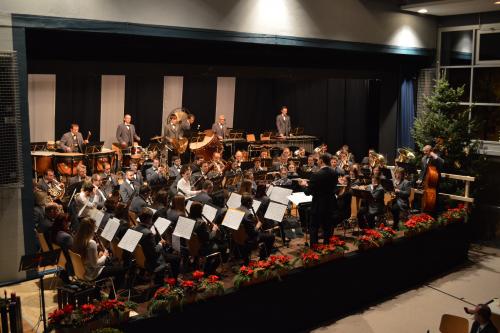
424	11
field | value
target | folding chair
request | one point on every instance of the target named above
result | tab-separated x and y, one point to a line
453	324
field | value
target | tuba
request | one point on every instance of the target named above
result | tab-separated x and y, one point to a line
377	160
405	155
182	114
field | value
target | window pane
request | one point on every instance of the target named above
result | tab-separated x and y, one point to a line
456	48
488	46
460	77
489	120
486	85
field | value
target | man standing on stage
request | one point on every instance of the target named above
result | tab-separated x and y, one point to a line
283	123
173	129
72	141
125	133
429	157
219	128
322	187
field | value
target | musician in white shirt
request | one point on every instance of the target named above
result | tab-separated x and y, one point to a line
184	184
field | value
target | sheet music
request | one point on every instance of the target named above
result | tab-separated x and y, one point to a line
209	212
299	197
280	194
97	215
184	227
188	206
275	212
234	200
110	229
162	224
256	205
233	218
176	243
130	240
269	190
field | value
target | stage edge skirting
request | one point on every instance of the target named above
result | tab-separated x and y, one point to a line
307	297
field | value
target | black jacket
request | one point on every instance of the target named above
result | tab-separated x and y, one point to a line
322	187
489	328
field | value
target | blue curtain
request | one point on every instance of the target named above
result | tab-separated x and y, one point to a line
407	114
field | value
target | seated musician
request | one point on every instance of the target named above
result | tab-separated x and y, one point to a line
109	180
196	165
219	128
177	209
84	201
264	154
175	170
255	238
156	251
141	201
207	236
238	157
345	150
286	153
292	171
368	160
125	132
283	180
138	178
48	181
248	175
235	169
375	207
46	221
218	165
160	203
344	162
60	235
300	153
128	189
310	166
81	176
354	177
72	141
344	196
96	263
156	175
402	190
184	183
334	164
100	197
199	177
280	162
204	195
257	165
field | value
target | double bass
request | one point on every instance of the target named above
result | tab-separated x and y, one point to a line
430	184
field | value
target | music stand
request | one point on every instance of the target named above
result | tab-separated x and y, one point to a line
410	169
246	165
34	262
387	184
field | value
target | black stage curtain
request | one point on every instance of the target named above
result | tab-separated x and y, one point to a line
78	100
199	96
338	111
144	102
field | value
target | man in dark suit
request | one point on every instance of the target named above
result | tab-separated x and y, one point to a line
429	158
283	123
47	181
140	201
482	320
175	170
255	238
219	128
128	189
155	252
173	130
375	206
80	177
125	133
322	186
138	178
109	180
402	190
204	196
156	175
72	141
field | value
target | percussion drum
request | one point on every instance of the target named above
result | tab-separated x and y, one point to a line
206	147
96	161
136	152
42	161
67	163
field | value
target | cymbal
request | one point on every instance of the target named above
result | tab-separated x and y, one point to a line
158	137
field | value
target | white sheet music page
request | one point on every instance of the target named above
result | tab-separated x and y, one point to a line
269	190
184	227
234	200
97	216
280	194
233	218
275	212
255	205
209	212
299	197
110	229
176	243
130	240
162	224
188	206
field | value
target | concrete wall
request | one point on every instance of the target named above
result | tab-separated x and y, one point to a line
343	20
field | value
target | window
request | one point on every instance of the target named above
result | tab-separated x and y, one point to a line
456	48
488	47
489	122
486	85
460	77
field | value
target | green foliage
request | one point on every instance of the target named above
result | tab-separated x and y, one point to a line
447	119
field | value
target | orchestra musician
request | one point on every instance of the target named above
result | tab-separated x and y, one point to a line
310	166
402	190
322	186
300	153
257	167
238	157
173	130
218	165
283	123
177	209
204	195
81	176
72	141
125	132
175	170
47	181
99	197
348	154
142	200
283	180
84	201
156	175
109	180
219	128
199	177
344	197
334	165
188	127
429	157
292	171
374	207
184	183
128	188
196	165
138	179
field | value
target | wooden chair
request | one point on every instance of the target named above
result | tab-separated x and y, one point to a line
453	324
140	258
117	251
61	264
132	219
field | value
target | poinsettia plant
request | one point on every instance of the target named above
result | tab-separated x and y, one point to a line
166	298
309	257
418	223
263	269
212	285
387	232
370	238
454	215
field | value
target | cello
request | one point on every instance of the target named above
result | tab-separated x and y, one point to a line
430	184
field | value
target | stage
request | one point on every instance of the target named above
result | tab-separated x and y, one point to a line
309	296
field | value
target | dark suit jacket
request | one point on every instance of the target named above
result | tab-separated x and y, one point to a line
377	205
438	162
489	328
68	142
322	186
202	197
219	131
170	132
43	185
75	179
151	249
124	135
284	126
154	178
127	192
137	204
111	182
174	172
139	180
249	222
403	195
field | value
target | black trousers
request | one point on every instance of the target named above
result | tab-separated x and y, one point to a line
264	242
326	223
117	272
365	219
396	215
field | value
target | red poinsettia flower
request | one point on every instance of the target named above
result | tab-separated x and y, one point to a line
68	309
213	279
88	309
56	316
170	281
188	284
198	275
